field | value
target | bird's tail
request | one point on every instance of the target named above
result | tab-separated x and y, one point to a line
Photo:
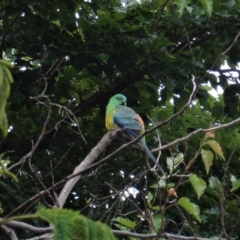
149	153
133	134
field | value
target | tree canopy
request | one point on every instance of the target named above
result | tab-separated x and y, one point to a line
176	61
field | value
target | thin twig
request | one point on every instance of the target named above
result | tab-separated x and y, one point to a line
190	49
223	193
69	114
220	56
151	236
7	30
30	154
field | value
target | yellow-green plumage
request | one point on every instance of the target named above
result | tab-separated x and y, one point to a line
109	118
120	116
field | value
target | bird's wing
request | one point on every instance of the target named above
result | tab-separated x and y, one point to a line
125	117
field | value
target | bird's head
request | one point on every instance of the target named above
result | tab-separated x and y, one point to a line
118	99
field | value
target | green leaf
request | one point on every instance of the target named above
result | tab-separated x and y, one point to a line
190	207
217	110
69	224
216	148
149	198
215	184
155	71
4	171
235	183
103	56
229	3
181	4
121	227
5	81
104	232
189	9
157	222
162	184
198	184
207	157
125	222
208	6
156	208
173	163
157	3
60	219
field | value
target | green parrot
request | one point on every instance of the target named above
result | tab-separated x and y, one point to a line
120	116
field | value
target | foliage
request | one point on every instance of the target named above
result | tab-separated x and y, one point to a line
70	225
3	169
69	58
5	80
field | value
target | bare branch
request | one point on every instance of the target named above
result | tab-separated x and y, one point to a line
50	72
29	155
43	237
69	114
26	226
167	145
223	193
9	232
189	47
195	132
38	230
149	236
221	55
92	156
83	166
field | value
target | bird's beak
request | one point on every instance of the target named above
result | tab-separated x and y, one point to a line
124	103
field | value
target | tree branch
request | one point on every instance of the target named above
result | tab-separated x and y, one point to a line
9	232
147	236
157	125
28	227
226	70
7	29
83	166
220	56
92	156
29	155
121	83
195	132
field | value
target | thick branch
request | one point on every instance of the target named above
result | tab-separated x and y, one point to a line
26	226
9	232
92	156
105	141
138	236
22	225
